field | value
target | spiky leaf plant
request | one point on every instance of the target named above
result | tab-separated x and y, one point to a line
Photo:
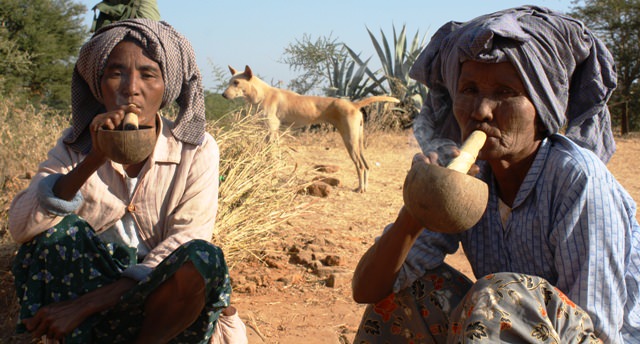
396	61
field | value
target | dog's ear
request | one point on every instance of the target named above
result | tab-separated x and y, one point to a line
232	70
247	72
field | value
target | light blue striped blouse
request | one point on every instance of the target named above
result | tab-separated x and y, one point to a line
571	223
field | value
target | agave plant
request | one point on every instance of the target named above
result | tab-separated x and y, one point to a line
348	82
395	65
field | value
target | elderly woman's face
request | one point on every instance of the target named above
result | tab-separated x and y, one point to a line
131	77
491	97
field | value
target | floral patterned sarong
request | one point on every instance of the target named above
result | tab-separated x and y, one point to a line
69	260
446	307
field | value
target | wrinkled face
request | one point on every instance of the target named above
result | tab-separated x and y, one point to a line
491	97
131	77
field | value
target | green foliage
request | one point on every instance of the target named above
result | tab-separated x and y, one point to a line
43	37
349	82
617	23
14	61
315	59
220	76
396	61
217	107
326	65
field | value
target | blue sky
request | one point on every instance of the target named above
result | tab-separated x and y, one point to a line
255	33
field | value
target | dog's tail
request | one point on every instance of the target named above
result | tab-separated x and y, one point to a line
364	102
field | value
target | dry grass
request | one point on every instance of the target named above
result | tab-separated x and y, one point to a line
258	187
26	135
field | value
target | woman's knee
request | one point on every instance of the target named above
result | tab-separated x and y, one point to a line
207	258
187	282
69	228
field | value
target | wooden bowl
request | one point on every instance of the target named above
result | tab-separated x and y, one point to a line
127	146
444	200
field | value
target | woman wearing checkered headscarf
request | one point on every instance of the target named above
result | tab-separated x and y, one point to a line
174	54
116	253
556	253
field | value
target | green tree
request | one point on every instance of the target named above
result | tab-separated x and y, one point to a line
13	61
315	59
617	23
327	67
44	35
216	106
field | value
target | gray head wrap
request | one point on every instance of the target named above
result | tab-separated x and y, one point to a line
568	73
168	48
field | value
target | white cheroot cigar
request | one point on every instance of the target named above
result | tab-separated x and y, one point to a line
130	121
468	152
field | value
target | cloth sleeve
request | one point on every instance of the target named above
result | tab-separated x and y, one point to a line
30	213
52	203
590	241
137	272
229	329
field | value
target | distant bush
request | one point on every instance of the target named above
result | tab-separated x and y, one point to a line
217	107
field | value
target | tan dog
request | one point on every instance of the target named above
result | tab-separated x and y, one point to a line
283	107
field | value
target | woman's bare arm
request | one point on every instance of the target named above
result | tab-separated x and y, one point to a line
378	268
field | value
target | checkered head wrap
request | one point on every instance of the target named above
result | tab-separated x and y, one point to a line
569	74
174	54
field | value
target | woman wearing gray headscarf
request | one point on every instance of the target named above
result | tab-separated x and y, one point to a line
556	253
111	252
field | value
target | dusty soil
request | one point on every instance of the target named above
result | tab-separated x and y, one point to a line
301	292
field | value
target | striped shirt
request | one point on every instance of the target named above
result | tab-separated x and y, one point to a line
571	223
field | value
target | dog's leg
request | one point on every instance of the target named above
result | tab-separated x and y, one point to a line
273	125
361	150
351	131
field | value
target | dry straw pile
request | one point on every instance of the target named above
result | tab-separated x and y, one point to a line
258	186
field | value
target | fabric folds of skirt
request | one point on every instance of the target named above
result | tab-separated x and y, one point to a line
69	260
445	307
